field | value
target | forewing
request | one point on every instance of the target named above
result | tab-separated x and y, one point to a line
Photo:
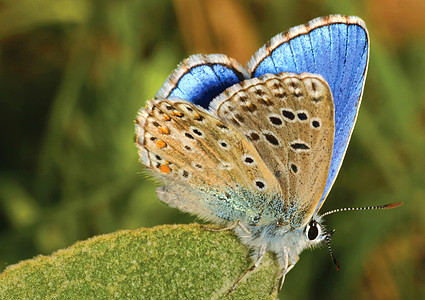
336	47
289	119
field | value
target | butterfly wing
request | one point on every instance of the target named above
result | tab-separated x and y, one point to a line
200	78
336	47
289	119
207	166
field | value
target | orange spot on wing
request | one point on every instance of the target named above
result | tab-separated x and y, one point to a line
165	169
177	113
167	118
198	117
164	130
160	144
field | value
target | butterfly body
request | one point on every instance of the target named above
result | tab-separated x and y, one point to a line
285	242
258	148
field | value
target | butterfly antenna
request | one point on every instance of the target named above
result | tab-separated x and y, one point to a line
387	206
328	243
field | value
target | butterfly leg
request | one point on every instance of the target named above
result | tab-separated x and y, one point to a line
281	277
231	227
257	262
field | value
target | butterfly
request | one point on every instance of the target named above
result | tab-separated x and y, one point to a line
257	148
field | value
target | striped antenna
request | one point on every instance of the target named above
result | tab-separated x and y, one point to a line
387	206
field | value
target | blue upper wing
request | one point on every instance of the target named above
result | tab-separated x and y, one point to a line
335	47
200	78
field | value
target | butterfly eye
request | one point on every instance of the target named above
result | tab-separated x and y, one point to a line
312	231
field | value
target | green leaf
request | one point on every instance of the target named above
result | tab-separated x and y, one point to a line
165	262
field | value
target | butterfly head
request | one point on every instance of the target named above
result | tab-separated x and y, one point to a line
285	241
317	235
312	234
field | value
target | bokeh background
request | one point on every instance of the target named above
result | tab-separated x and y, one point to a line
73	74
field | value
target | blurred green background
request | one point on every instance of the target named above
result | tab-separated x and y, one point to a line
73	74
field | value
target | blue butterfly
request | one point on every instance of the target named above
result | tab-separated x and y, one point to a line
257	148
